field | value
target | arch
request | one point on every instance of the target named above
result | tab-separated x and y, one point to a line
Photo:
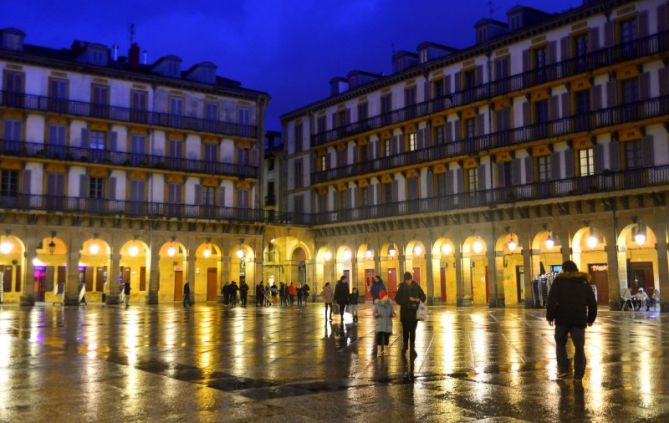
242	264
415	248
208	250
366	269
344	253
415	261
172	271
390	267
135	262
324	268
475	268
589	254
50	264
94	264
298	254
443	270
206	283
12	268
638	258
539	242
508	261
172	249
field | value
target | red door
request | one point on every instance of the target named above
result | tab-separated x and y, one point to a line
178	285
600	278
392	283
442	281
212	288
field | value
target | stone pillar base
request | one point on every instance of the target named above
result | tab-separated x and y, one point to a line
464	302
71	301
614	305
112	300
496	303
27	300
152	298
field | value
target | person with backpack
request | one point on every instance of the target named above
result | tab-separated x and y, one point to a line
342	296
571	307
409	295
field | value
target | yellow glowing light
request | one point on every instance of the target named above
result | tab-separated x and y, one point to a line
133	251
418	250
6	247
369	254
206	253
591	241
478	246
392	251
38	263
639	238
94	249
240	253
447	249
327	256
511	244
171	251
346	255
550	243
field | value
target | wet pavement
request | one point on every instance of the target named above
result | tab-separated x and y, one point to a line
213	363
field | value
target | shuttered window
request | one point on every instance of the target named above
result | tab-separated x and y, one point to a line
586	162
633	155
544	167
412	141
9	183
96	188
472	179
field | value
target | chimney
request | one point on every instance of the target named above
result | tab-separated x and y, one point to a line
133	56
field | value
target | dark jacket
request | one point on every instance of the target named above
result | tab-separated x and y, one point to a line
186	289
408	308
571	301
341	295
244	288
376	288
353	298
126	288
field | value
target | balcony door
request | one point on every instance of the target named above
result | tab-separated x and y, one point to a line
55	188
100	100
13	95
12	134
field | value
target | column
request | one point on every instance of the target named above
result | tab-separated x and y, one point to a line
495	295
377	265
354	274
614	279
401	258
154	281
662	267
72	279
28	285
113	279
191	272
429	280
225	276
527	274
565	249
464	294
257	272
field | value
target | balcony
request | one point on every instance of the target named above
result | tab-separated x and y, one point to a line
582	122
120	158
123	114
620	53
611	181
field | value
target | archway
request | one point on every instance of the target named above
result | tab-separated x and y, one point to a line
414	259
475	268
134	262
637	258
443	271
242	265
509	267
298	267
50	264
366	269
344	264
94	262
12	268
172	271
390	267
589	252
207	272
324	269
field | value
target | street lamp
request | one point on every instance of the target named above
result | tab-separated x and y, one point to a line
418	250
94	249
327	256
171	251
133	251
240	254
369	253
447	249
477	246
346	255
6	247
549	242
512	244
52	247
392	251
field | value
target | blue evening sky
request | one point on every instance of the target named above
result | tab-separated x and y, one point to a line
289	48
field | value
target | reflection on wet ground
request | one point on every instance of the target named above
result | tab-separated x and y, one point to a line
213	363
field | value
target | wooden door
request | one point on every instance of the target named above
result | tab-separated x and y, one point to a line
142	278
520	283
416	274
442	283
60	280
18	279
392	282
88	278
100	278
7	279
369	280
178	285
212	278
641	276
600	278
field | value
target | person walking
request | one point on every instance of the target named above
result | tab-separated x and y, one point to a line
243	293
409	295
283	294
571	307
260	295
233	293
342	296
291	293
126	294
327	295
226	293
186	298
383	311
353	304
299	295
377	287
305	292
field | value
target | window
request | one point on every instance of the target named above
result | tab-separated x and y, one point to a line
472	179
298	204
541	111
386	103
412	141
9	183
582	102
469	79
137	190
586	163
176	148
242	198
58	88
211	111
540	58
321	124
438	88
387	150
12	130
138	148
96	188
244	116
96	140
299	174
580	46
210	152
270	163
633	155
56	141
138	100
176	106
502	68
207	196
100	95
630	90
410	96
362	111
323	160
174	193
439	134
243	156
628	30
470	128
298	137
544	165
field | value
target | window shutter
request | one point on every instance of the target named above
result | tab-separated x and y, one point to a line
84	138
569	163
599	158
611	93
112	188
113	139
396	144
198	194
83	186
526	60
412	189
457	130
421	139
566	105
501	176
556	158
552	52
664	80
648	151
430	185
377	194
460	180
643	23
483	180
596	97
614	154
644	85
448	132
346	199
593	38
396	191
426	90
479	125
458	82
479	75
608	34
529	169
553	107
516	166
220	197
564	48
427	142
527	116
662	18
26	182
374	147
447	84
448	183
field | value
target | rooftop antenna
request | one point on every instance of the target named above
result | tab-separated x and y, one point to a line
131	33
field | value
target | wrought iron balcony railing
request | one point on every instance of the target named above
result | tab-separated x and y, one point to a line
620	53
654	107
123	114
606	182
121	158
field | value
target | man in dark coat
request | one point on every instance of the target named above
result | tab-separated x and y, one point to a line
243	293
408	296
571	306
342	296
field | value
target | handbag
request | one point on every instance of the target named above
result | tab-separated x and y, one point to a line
421	312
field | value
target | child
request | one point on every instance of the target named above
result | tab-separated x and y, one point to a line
383	311
353	304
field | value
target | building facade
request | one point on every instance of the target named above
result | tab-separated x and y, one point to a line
113	169
481	169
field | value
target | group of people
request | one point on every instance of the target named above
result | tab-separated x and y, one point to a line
288	294
231	292
640	299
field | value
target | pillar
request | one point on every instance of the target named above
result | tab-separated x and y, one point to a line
191	272
354	274
225	269
614	279
429	280
377	265
257	271
527	274
113	279
72	279
401	258
154	281
28	285
495	294
464	295
662	267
